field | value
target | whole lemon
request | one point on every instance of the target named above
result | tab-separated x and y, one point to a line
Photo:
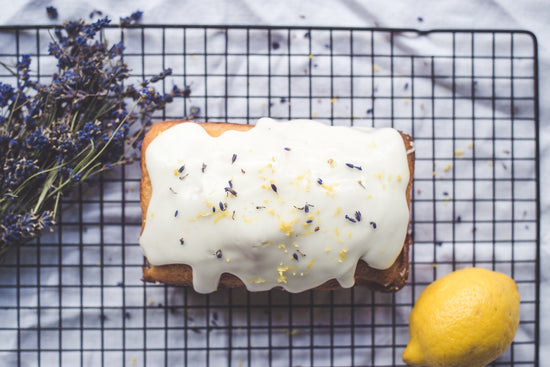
466	318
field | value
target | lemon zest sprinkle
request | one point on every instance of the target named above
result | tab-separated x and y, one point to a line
301	177
257	280
282	270
220	215
342	255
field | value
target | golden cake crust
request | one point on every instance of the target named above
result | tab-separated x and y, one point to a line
387	280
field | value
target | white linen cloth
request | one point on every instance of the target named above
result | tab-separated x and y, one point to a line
465	14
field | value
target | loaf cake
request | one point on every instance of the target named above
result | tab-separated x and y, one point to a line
295	205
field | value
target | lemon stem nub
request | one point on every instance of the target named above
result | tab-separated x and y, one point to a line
412	355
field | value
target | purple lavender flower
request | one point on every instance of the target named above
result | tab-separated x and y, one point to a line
162	75
7	94
116	50
17	227
36	140
54	136
194	111
132	19
176	92
23	70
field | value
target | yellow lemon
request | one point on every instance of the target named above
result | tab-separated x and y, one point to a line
466	318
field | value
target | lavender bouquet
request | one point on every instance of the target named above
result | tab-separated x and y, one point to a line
55	136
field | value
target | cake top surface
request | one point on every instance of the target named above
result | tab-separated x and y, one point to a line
288	204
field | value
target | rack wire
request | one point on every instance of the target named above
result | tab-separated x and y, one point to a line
468	97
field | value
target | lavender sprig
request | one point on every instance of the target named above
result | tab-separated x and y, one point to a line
57	135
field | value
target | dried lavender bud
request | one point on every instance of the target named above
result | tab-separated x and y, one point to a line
52	12
132	19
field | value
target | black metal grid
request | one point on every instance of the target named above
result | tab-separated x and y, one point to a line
470	100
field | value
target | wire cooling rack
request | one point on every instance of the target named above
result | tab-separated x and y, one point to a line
469	98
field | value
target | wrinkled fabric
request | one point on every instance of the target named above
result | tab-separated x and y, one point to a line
81	306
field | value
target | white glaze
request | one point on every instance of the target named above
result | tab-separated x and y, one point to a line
269	230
